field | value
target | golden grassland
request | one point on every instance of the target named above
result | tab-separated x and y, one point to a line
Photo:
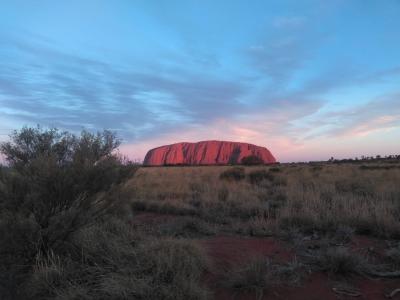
89	225
312	213
172	227
262	199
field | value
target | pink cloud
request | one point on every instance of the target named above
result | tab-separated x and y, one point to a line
387	122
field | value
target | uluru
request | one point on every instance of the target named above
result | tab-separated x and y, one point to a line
206	153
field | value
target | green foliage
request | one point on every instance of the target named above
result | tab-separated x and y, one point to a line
55	184
252	160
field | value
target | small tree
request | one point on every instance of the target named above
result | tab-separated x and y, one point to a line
252	160
55	184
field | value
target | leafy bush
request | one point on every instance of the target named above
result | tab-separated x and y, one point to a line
235	174
252	160
56	183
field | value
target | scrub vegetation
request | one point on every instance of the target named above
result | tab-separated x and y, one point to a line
304	197
79	221
64	231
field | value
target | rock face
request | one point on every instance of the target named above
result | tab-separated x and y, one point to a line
205	153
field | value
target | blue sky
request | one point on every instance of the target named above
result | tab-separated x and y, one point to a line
307	79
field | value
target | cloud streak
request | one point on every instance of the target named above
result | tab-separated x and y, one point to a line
74	92
151	107
276	79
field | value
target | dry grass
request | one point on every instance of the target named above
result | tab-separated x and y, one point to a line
308	197
112	261
340	261
260	275
318	207
256	276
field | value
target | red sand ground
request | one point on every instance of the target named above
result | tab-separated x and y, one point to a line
228	251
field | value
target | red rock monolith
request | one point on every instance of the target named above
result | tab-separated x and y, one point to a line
206	153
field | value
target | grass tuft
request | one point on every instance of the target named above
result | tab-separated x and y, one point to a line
233	174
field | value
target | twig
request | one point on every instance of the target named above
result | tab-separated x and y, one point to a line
347	292
393	274
392	294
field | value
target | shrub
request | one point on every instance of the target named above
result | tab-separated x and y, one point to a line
302	222
355	186
259	275
378	167
19	239
165	207
223	194
255	177
252	160
175	268
236	174
393	255
255	276
365	226
280	180
257	226
316	168
110	263
56	183
340	261
187	227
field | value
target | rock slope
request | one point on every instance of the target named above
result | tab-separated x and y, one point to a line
205	153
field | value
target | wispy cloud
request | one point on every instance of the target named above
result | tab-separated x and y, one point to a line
50	87
274	77
379	114
289	22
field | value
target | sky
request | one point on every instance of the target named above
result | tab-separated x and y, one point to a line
307	79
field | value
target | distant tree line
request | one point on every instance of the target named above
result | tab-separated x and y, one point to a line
362	159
